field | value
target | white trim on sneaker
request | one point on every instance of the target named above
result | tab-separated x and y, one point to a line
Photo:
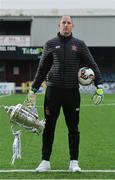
74	166
43	166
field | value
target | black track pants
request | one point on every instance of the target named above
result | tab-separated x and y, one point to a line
69	100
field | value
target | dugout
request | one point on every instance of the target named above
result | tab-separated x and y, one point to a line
18	64
105	58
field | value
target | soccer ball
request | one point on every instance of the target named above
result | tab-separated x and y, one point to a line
85	76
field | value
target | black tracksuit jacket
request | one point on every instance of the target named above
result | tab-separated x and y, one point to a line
61	60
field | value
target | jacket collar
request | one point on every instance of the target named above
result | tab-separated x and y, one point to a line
63	38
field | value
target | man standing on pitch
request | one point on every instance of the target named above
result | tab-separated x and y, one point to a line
59	65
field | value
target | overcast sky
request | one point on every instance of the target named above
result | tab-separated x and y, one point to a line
57	4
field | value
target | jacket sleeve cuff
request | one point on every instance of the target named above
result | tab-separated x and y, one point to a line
34	90
100	86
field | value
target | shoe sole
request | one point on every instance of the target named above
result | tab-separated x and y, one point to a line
39	170
75	170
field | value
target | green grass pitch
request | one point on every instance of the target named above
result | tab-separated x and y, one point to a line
97	142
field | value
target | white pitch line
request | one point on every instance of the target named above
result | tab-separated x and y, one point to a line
87	105
1	96
56	170
82	105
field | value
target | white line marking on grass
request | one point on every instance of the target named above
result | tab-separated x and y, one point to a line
87	105
5	95
83	105
55	170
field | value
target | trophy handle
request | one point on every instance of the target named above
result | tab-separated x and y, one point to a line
30	105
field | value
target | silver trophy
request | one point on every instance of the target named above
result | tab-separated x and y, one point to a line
24	117
27	118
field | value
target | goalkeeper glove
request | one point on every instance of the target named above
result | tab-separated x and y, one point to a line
98	96
31	99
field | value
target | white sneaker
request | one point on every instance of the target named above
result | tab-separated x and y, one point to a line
74	167
44	166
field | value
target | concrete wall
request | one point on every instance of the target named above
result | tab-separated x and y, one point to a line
94	19
94	30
